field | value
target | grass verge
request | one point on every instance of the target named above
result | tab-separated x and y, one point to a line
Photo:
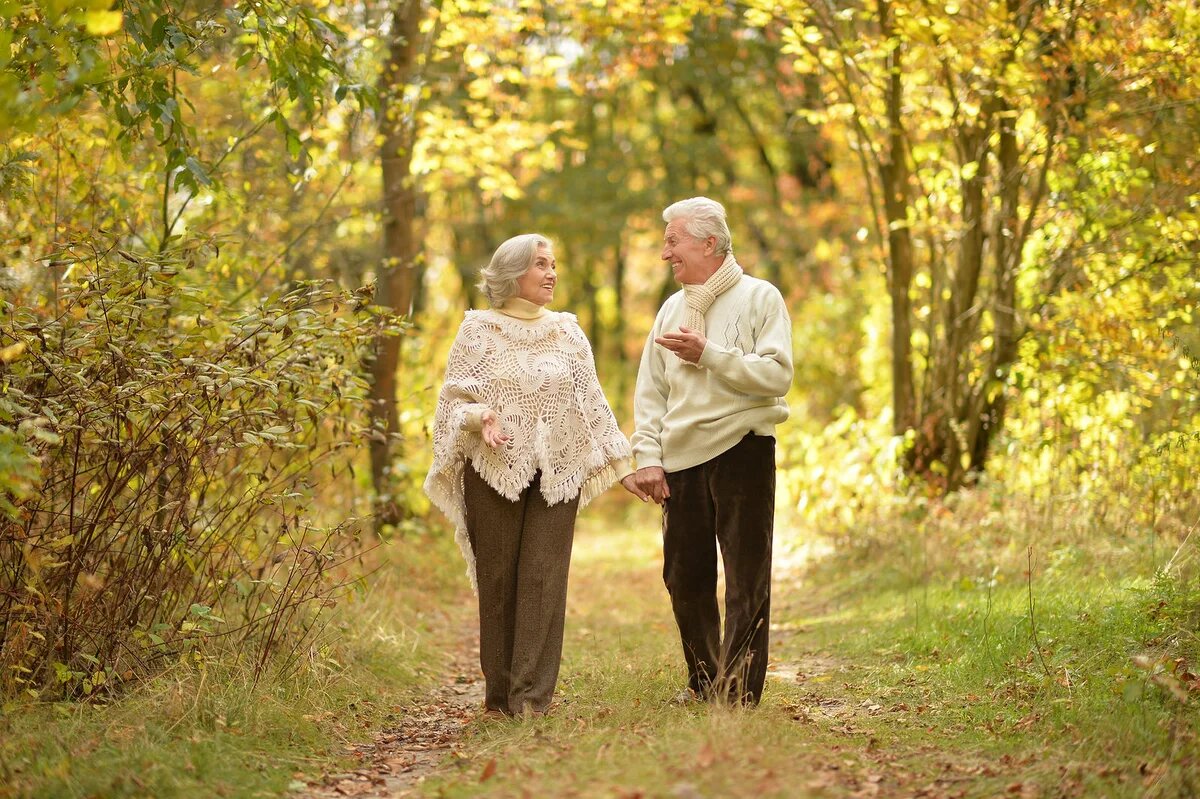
906	664
203	727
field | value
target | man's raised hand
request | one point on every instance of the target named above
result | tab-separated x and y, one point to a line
687	344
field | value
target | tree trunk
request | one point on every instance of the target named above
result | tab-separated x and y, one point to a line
985	412
948	388
968	411
894	178
619	288
396	283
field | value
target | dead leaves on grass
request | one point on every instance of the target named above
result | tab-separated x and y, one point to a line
402	755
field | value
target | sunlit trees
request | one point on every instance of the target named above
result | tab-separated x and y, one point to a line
970	121
985	217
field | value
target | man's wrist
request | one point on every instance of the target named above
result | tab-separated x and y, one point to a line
708	355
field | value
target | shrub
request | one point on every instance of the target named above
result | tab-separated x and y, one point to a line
160	455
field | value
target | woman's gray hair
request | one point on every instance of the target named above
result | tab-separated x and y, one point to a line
702	218
511	260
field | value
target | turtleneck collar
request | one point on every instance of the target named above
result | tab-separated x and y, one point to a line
519	308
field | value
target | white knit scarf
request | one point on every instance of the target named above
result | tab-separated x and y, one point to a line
700	296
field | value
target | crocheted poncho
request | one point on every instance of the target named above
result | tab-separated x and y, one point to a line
539	377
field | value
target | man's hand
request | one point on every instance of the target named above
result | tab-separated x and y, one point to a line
491	431
648	483
687	344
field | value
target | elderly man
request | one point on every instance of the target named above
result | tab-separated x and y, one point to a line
710	389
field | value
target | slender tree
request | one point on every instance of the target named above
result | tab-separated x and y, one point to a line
397	280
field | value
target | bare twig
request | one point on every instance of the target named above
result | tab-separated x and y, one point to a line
1032	621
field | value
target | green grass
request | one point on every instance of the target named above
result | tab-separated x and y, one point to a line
954	664
203	728
902	666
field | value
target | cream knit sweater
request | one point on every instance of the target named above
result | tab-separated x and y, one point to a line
685	416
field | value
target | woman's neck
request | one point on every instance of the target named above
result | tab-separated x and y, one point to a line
519	308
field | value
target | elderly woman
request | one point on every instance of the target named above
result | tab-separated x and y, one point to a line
523	437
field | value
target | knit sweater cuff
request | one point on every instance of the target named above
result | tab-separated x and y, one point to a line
623	468
710	355
645	460
472	416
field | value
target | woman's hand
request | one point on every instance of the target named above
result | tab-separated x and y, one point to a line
491	430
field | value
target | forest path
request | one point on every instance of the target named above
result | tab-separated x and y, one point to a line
825	728
427	735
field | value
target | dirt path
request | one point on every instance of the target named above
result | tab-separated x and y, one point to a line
827	730
402	756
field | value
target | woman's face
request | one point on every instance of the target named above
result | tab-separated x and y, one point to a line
537	284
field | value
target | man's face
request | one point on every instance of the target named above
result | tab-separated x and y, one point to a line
691	259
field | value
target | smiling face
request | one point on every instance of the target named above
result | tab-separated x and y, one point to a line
691	259
537	284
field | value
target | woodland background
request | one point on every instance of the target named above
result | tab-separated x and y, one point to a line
236	238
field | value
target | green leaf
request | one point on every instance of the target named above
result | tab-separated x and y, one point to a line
294	144
6	37
49	436
159	31
197	169
103	23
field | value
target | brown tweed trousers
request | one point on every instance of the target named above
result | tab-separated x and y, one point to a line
522	555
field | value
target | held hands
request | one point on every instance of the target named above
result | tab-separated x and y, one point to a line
648	483
687	344
491	430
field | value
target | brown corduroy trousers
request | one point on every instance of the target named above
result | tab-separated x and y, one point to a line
728	500
522	556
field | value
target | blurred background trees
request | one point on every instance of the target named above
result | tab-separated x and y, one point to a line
236	239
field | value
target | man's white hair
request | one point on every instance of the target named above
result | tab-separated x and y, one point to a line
498	280
702	218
